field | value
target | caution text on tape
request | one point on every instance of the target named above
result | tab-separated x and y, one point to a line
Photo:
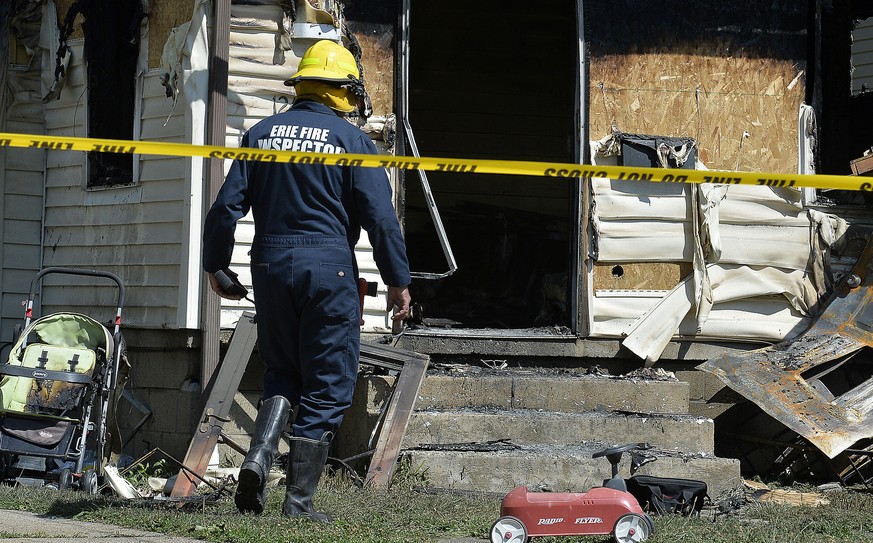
458	165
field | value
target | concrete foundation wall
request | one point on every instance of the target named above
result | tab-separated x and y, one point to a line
164	378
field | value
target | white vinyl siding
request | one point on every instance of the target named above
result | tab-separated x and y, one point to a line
21	196
257	69
762	283
862	55
135	232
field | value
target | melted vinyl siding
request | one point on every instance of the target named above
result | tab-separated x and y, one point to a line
257	70
134	232
21	199
758	226
765	319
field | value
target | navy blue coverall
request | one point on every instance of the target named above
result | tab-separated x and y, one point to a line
308	219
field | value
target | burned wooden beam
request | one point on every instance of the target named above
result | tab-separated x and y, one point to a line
382	356
217	409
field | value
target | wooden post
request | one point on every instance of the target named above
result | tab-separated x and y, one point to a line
210	305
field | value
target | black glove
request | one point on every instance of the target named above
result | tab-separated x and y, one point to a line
229	283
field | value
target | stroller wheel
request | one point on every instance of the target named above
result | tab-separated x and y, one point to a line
89	482
65	479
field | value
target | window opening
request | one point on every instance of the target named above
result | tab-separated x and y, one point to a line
112	39
842	107
432	208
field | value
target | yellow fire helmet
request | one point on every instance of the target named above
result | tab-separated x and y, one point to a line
330	72
326	61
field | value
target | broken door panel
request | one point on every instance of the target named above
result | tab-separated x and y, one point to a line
784	379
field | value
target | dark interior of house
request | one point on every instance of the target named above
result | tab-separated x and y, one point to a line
844	114
502	90
481	85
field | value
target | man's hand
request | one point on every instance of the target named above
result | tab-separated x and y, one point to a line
216	288
399	300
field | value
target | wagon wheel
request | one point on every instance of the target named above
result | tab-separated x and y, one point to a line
508	530
631	528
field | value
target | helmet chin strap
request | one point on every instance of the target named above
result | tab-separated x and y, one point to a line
362	97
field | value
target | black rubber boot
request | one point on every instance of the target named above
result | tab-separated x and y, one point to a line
305	464
251	491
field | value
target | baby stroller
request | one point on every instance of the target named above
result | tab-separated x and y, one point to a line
55	393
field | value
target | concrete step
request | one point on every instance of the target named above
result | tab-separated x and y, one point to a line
532	389
533	427
561	469
564	392
545	425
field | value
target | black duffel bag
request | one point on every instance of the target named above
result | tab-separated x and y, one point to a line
662	495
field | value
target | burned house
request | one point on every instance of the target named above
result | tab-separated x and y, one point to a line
561	270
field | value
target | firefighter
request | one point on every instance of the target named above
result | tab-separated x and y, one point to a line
307	219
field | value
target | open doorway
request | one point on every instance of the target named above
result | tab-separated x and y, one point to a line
494	80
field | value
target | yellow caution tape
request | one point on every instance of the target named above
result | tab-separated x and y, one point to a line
460	165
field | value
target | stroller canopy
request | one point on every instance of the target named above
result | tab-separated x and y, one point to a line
76	343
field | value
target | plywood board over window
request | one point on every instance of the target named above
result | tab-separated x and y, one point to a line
63	7
377	43
373	23
639	275
164	15
732	79
707	72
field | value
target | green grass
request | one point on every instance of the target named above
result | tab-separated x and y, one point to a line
404	514
362	515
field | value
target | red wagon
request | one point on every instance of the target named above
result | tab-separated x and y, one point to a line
605	510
